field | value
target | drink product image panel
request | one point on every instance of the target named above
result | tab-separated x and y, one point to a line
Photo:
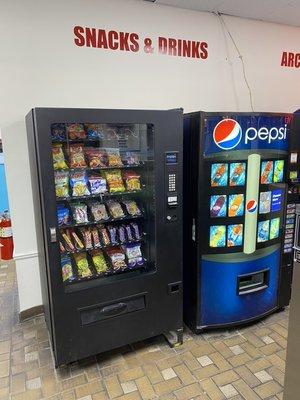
109	226
236	170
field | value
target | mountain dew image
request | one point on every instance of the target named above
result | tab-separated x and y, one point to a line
217	236
218	206
237	174
219	174
266	174
274	228
278	171
236	205
235	235
263	231
264	202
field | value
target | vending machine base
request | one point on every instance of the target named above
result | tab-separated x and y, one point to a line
174	338
233	325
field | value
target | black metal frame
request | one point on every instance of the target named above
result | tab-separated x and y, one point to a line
163	308
195	188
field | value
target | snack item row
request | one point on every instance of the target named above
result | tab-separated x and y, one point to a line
89	238
76	155
94	211
112	260
83	184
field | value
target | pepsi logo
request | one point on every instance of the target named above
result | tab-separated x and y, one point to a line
251	206
227	134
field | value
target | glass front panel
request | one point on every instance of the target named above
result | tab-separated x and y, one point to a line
104	182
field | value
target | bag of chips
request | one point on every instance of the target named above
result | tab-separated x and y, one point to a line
132	180
78	183
76	155
87	237
104	235
114	180
58	132
97	184
76	131
98	211
132	208
131	158
66	269
59	161
134	255
117	258
96	157
94	131
79	211
63	215
61	183
115	209
114	158
82	265
99	261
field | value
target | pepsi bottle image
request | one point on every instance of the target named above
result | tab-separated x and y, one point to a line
238	160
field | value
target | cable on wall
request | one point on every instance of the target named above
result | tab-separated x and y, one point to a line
220	16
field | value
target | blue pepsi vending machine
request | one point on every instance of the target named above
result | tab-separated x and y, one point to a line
235	213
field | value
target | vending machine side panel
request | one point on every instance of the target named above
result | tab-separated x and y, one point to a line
37	201
192	129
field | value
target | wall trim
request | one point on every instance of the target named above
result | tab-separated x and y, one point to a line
25	256
31	312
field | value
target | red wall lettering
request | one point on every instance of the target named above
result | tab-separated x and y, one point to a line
290	59
130	42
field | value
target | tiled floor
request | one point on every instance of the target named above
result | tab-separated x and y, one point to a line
240	364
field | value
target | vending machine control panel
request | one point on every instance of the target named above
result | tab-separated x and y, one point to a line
171	173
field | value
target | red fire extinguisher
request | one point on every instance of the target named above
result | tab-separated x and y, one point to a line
6	238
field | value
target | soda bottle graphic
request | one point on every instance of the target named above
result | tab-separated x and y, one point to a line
234	236
216	208
217	235
278	171
266	172
236	175
221	170
235	205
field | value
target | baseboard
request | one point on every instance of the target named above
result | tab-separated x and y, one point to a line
31	312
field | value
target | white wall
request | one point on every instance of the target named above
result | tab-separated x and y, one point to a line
41	66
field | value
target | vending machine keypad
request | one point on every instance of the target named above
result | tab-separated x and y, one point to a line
171	170
172	182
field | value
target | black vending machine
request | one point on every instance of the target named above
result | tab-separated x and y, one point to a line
107	188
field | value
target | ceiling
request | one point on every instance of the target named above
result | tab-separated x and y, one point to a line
280	11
